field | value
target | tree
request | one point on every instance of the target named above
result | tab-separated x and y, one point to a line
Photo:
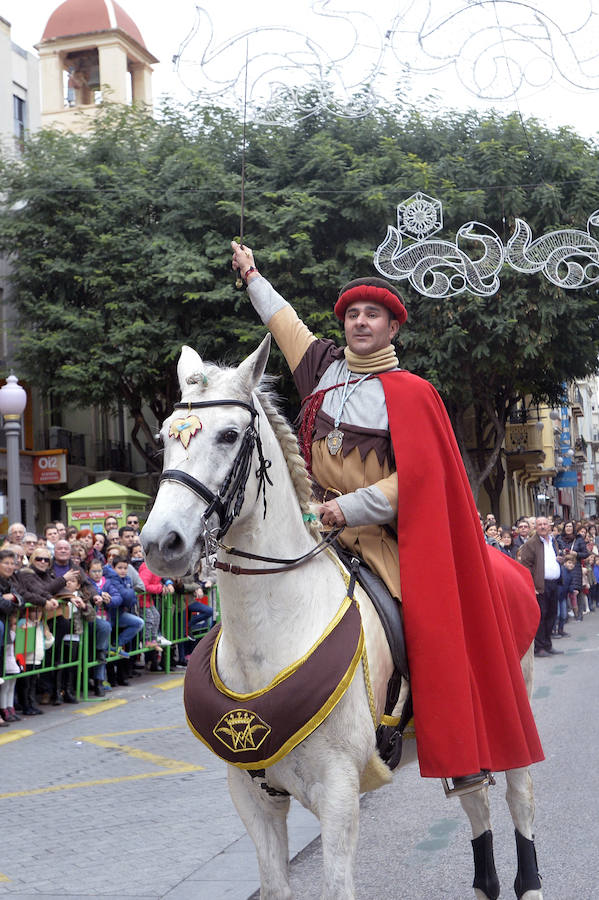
122	252
106	256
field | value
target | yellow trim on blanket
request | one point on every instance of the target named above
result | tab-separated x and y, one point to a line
312	724
284	673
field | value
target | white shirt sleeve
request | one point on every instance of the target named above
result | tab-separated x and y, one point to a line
366	506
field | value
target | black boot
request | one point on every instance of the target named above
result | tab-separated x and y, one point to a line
120	673
99	688
69	681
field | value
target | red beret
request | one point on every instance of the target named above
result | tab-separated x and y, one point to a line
373	290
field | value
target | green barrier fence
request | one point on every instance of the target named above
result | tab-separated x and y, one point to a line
73	658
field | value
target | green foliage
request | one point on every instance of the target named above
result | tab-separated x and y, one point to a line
122	251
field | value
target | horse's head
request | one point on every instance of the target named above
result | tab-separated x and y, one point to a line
209	444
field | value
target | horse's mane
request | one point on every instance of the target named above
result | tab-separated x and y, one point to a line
283	432
289	445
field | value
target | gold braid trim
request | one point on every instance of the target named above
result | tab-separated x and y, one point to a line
368	684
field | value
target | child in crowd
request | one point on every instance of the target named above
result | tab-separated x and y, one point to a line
80	596
153	585
583	597
595	587
100	639
565	594
37	638
124	623
11	667
589	581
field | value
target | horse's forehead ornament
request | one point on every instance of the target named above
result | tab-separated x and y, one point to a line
184	429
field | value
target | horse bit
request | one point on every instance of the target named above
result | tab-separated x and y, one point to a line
227	502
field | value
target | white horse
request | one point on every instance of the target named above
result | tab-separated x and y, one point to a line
271	620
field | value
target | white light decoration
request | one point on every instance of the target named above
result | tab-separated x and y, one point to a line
500	49
568	257
302	62
351	61
438	268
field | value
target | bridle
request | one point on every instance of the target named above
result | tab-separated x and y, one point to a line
227	502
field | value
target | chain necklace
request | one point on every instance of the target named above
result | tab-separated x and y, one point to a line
335	437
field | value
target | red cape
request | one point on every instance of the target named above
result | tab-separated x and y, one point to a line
469	612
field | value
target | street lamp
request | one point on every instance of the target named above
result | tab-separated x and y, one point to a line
13	400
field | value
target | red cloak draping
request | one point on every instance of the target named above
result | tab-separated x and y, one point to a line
471	710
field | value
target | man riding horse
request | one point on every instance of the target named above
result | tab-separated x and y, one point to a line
379	438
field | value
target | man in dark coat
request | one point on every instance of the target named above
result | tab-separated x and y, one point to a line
539	555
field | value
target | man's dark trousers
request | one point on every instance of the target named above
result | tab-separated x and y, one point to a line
548	605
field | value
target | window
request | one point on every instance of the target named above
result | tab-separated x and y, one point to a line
19	118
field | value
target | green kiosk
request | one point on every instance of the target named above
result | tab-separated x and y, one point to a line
90	506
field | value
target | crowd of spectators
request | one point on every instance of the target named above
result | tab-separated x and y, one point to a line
55	585
566	594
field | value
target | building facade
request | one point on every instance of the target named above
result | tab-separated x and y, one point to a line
90	51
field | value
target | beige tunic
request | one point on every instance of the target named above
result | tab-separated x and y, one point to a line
376	544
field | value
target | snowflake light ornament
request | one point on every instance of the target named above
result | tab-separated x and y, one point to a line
419	217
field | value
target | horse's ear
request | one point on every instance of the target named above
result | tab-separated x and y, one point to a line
190	362
252	368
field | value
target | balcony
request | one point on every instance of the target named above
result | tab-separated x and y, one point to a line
113	456
576	403
524	445
580	449
63	439
527	437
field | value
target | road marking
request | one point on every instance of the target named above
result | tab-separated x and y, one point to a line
101	707
134	753
83	784
15	736
170	766
177	682
4	878
107	734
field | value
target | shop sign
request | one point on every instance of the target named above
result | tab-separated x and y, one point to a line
566	479
50	468
90	514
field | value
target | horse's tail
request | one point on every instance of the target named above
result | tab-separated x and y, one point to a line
375	775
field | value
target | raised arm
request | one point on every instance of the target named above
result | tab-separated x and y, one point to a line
290	333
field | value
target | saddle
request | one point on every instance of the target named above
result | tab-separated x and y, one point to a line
390	732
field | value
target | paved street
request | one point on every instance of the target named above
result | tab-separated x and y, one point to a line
415	844
117	799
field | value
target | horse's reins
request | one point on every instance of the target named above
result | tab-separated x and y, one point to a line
227	502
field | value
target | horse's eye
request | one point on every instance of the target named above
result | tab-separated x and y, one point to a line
228	437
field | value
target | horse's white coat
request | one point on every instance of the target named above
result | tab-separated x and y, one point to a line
269	621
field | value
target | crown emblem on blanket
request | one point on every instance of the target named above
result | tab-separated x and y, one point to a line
241	729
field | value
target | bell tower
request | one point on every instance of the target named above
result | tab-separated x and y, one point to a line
91	50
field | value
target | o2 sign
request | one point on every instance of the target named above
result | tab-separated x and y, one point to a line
50	468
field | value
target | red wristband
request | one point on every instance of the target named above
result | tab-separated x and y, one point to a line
247	272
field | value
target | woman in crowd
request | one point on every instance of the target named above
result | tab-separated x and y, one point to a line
86	537
99	548
491	536
573	540
79	553
506	541
40	587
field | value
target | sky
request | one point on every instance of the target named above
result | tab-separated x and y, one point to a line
310	37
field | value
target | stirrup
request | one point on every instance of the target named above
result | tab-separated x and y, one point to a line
467	784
